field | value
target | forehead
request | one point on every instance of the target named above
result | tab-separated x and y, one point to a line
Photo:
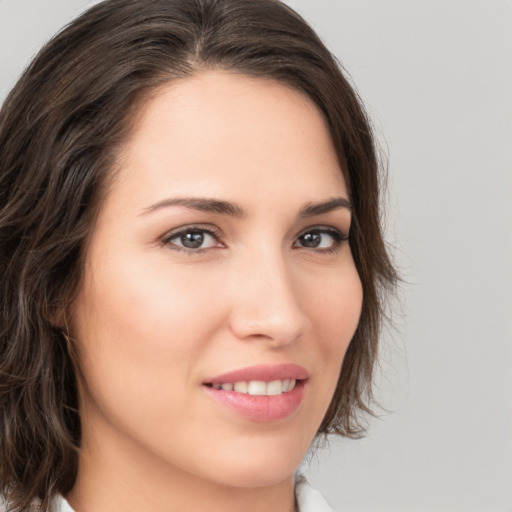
215	128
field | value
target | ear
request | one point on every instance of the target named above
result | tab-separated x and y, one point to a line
57	317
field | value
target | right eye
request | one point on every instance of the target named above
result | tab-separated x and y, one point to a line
192	239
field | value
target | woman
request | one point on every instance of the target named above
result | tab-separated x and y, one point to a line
192	260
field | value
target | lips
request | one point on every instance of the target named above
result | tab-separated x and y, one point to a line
262	372
262	393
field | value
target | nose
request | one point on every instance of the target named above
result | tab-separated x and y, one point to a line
267	302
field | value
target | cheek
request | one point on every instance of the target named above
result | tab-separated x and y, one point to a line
153	303
336	308
140	328
337	316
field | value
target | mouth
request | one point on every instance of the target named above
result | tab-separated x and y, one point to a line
262	393
257	387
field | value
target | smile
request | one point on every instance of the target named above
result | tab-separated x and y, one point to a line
261	393
257	387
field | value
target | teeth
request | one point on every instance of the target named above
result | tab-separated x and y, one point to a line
258	387
276	387
240	387
291	384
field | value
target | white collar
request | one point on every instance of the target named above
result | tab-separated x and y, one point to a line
309	499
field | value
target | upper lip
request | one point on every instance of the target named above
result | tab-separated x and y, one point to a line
261	372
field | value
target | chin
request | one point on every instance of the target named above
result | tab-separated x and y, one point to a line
253	476
258	464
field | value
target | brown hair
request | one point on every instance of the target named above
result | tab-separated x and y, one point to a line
59	130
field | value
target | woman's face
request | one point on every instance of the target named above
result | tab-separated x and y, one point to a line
219	260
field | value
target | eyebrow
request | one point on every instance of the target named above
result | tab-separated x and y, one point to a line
205	204
202	204
312	209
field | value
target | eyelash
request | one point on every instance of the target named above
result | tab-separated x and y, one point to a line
167	239
339	238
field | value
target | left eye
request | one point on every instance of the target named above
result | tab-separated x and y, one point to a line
320	239
193	239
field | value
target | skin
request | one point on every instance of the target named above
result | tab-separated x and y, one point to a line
153	320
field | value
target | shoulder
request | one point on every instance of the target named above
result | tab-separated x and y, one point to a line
308	498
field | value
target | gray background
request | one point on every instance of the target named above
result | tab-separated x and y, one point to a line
436	77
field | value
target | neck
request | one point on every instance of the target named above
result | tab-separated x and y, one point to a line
118	476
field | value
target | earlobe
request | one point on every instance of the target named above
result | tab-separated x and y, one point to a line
57	317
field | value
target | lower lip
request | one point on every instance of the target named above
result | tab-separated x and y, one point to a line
260	408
